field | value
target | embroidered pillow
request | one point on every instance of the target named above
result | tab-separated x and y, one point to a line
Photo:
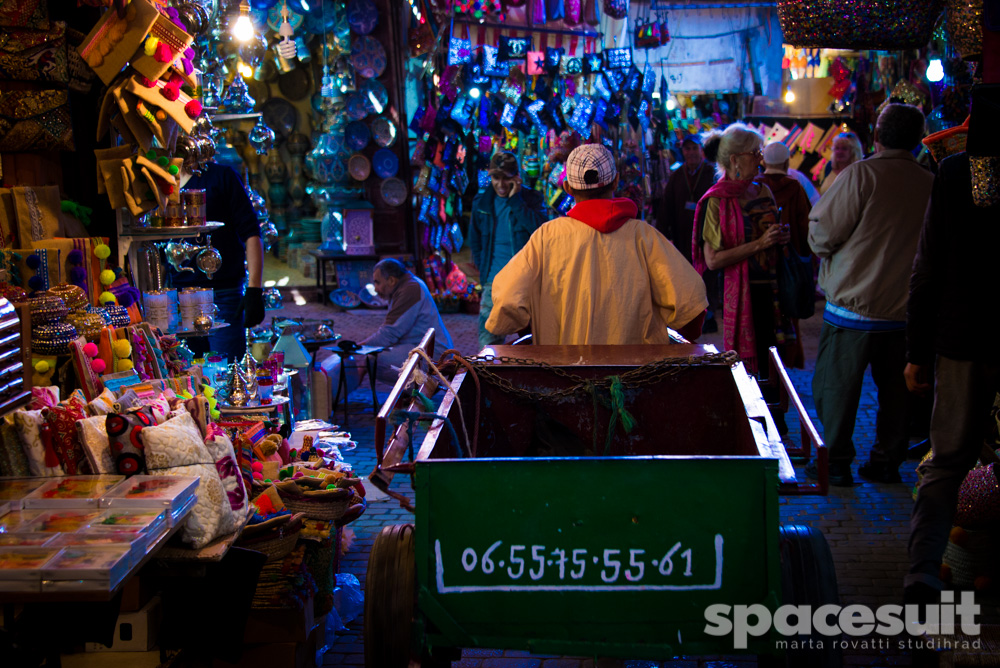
221	449
65	439
12	460
210	517
102	404
42	459
93	434
197	406
43	397
176	442
127	401
124	431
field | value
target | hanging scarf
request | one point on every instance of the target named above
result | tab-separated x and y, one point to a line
737	315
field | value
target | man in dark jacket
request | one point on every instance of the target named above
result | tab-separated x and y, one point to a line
503	218
955	273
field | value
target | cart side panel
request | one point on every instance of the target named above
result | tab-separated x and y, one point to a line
612	556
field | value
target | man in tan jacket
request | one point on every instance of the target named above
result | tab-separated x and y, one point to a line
866	229
599	275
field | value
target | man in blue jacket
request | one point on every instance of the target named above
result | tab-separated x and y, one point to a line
504	217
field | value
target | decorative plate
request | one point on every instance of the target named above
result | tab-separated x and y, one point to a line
359	167
393	191
370	299
344	298
362	16
367	56
294	85
357	135
374	95
280	116
317	24
385	163
274	18
356	108
384	131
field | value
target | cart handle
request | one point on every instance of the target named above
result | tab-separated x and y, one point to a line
778	376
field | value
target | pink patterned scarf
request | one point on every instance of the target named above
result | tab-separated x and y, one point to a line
737	316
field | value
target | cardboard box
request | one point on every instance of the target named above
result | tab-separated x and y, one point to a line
150	659
135	631
279	624
136	593
284	654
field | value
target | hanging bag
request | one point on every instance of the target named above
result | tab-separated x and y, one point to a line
616	9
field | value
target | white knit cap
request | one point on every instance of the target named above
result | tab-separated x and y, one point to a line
775	153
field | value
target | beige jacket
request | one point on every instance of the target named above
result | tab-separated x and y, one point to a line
866	229
577	286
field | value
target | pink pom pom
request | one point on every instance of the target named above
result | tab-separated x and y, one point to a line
98	365
257	466
258	476
90	350
176	80
170	93
163	53
298	474
148	83
192	108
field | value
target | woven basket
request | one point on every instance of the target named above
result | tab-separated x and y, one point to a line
892	25
319	504
947	142
976	557
278	540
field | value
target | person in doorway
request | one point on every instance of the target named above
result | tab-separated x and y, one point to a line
865	228
412	312
597	275
238	284
503	218
951	278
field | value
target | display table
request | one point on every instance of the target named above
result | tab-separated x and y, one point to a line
371	366
324	256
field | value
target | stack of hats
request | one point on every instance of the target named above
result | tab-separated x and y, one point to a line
49	334
87	324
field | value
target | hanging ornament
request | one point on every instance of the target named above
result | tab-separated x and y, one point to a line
237	99
261	137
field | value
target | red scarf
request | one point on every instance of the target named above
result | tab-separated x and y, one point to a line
737	316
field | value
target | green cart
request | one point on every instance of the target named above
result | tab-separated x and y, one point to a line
593	501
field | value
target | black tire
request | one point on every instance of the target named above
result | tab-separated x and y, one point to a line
807	578
390	598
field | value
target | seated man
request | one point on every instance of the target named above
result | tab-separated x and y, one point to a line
412	312
599	275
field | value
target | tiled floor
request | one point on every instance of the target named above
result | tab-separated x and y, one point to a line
866	526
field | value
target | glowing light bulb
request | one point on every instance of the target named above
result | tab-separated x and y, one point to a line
474	93
789	96
671	103
244	70
935	71
243	28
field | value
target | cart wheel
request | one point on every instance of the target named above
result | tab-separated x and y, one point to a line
390	597
807	578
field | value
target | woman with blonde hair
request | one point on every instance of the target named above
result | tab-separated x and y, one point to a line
846	150
737	229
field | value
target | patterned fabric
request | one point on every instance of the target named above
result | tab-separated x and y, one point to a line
221	449
127	401
35	120
102	404
32	14
176	448
93	435
30	55
124	439
88	379
12	459
590	166
42	459
197	406
43	397
62	428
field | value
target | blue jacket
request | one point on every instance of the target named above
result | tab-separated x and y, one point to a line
528	212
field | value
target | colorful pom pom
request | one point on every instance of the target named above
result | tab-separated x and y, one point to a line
98	365
187	65
125	365
209	392
149	48
257	466
163	53
189	53
170	93
106	297
192	108
75	256
77	274
107	277
36	283
148	83
163	161
33	261
122	348
42	366
103	251
90	349
126	299
174	170
150	154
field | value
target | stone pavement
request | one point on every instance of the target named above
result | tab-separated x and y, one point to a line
866	526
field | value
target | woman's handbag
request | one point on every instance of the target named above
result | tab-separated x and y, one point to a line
796	289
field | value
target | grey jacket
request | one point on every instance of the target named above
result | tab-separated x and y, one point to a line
866	229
